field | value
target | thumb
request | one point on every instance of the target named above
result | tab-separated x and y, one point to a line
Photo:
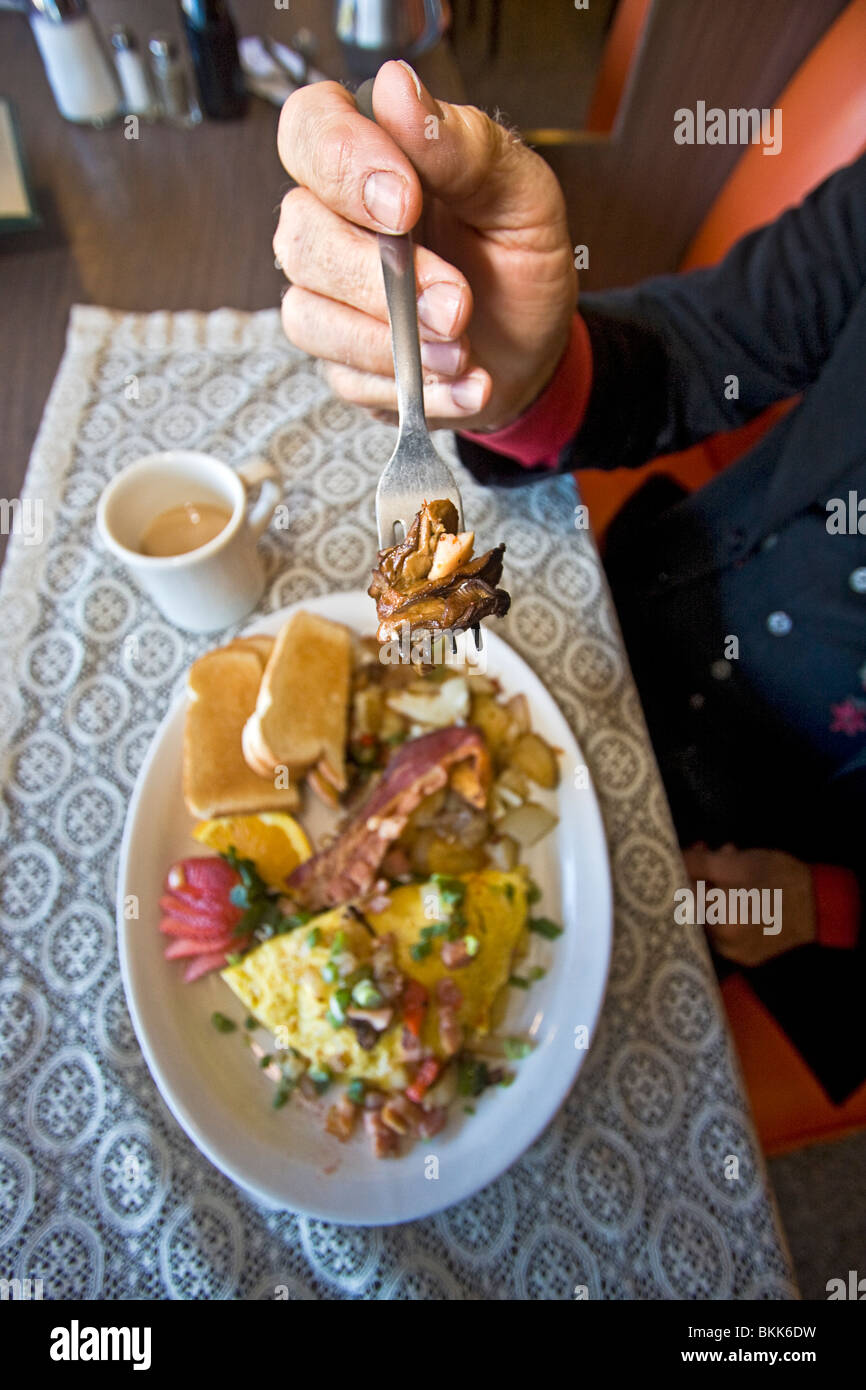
488	178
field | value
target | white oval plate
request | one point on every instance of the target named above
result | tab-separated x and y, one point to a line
210	1081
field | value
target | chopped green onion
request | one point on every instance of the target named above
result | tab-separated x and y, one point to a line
471	1077
234	957
250	1022
356	1091
419	949
508	890
313	937
222	1024
518	982
238	896
339	1003
366	995
536	972
321	1077
543	926
508	1079
469	1109
282	1093
338	943
265	1061
515	1048
533	893
472	944
329	972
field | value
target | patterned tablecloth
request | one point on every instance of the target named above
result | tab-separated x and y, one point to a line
629	1193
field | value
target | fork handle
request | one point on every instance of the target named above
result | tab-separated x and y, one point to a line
398	272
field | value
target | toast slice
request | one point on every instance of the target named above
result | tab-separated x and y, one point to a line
301	713
223	686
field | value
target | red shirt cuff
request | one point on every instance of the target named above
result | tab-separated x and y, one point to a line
539	435
837	905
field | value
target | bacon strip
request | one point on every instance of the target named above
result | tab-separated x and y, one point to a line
349	866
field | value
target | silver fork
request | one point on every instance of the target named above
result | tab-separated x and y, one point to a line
414	473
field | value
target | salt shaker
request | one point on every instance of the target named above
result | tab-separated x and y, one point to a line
76	63
171	81
137	98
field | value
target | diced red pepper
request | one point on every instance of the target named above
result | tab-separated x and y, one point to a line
423	1079
415	998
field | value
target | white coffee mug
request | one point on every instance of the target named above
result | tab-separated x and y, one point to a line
218	583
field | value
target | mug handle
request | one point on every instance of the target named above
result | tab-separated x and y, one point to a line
251	474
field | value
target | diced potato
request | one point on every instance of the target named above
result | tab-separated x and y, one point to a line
436	708
494	722
518	709
392	724
509	790
367	706
527	824
431	854
482	685
502	853
532	756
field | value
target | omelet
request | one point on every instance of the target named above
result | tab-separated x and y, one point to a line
495	908
281	982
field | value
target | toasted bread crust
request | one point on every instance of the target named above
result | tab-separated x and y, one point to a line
223	686
301	712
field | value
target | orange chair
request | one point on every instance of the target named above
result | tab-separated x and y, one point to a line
824	120
617	62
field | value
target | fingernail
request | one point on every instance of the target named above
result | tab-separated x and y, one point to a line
442	357
385	198
439	306
468	393
427	101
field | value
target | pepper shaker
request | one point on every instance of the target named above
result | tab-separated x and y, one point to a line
176	104
137	97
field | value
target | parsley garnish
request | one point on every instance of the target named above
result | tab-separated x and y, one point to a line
544	927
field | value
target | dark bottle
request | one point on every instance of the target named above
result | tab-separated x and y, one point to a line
213	44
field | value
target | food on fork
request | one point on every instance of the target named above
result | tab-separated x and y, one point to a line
430	580
301	712
223	686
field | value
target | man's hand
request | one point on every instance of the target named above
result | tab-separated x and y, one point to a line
496	281
745	943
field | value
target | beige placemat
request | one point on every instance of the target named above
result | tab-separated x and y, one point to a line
628	1194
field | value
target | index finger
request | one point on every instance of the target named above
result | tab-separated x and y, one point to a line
350	163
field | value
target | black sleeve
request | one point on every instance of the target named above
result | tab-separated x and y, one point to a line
664	351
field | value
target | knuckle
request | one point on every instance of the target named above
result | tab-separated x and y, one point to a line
292	240
334	158
292	316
